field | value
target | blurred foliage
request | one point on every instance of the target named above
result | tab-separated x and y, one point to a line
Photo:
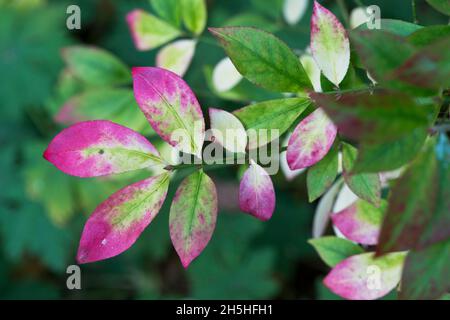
42	211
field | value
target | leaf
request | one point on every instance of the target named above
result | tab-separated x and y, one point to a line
425	275
321	176
116	223
324	208
312	70
311	140
380	117
366	186
225	76
442	6
396	27
193	216
358	17
194	15
360	222
381	52
256	193
171	108
428	68
429	35
294	10
148	31
116	105
391	155
262	58
333	250
227	130
362	277
417	215
330	46
96	66
99	148
176	56
277	114
169	10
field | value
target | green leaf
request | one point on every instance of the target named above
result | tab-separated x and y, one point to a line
194	15
320	176
442	6
417	215
381	52
169	10
427	68
429	35
274	114
333	250
96	66
425	275
148	31
366	186
116	105
397	27
378	117
263	59
390	155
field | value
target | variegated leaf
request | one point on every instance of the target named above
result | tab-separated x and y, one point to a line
362	277
171	108
117	223
148	31
176	56
193	216
360	222
225	75
256	193
329	44
99	148
311	140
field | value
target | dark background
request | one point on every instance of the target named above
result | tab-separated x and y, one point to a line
42	211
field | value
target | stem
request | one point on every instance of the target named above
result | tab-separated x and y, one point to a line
414	11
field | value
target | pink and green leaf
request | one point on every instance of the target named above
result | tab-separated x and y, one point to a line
193	216
256	193
228	131
360	222
99	148
311	140
148	31
362	277
330	46
117	223
171	108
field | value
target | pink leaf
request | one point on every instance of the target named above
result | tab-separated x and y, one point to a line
330	46
311	140
362	277
98	148
360	222
256	193
193	216
117	223
171	108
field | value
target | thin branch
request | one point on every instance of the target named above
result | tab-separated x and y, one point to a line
414	11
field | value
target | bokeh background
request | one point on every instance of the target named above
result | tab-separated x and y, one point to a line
42	211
